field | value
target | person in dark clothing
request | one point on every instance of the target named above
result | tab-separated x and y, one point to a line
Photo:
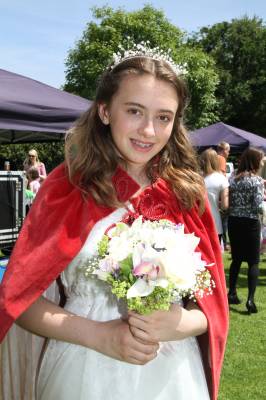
245	206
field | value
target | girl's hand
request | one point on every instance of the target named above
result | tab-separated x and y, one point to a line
175	324
116	341
159	326
112	338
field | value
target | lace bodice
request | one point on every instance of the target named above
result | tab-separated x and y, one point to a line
72	277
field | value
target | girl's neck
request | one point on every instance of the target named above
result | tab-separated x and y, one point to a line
139	175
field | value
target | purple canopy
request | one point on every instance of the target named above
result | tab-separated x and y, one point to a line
31	111
237	138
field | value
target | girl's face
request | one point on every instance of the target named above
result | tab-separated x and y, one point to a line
141	117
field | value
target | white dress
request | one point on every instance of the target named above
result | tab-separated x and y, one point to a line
72	372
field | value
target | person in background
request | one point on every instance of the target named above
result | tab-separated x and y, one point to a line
223	150
128	156
216	185
32	160
262	173
33	180
246	193
263	168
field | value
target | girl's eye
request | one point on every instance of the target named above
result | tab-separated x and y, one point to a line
164	118
133	111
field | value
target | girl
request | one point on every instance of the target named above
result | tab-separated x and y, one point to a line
129	155
33	180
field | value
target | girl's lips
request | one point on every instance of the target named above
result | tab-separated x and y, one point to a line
141	146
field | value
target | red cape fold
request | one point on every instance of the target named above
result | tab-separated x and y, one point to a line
57	226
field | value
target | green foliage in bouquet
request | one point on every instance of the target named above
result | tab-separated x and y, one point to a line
103	246
159	299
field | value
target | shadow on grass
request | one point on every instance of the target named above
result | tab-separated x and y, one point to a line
236	311
242	281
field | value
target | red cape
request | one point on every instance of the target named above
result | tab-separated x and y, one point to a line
58	224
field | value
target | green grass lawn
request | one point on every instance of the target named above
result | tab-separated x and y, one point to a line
244	371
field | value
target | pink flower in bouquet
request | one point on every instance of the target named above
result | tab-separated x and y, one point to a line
147	269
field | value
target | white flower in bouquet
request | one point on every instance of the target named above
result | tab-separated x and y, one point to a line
151	264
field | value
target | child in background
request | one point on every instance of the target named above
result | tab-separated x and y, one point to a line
33	180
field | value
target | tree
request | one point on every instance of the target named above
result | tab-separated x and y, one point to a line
93	52
239	50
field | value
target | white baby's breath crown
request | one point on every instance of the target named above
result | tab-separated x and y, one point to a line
143	49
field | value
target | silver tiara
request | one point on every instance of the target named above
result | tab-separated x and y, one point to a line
143	49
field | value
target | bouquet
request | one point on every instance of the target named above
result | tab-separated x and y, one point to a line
150	264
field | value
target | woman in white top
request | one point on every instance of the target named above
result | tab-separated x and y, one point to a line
217	186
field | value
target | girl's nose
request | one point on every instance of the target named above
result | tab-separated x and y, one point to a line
147	129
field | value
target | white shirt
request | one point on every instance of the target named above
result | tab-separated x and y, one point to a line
215	183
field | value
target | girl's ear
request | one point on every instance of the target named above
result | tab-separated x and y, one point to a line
103	113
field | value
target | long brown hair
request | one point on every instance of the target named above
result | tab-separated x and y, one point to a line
250	161
209	162
90	151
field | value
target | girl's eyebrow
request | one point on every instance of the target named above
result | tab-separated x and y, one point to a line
132	103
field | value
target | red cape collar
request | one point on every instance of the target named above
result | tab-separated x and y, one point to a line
125	186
